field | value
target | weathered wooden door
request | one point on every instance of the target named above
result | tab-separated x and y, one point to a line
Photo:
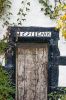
31	71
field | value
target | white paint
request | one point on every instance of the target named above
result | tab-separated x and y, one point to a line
37	18
62	76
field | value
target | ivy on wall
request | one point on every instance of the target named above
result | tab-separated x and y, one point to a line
4	5
6	13
23	11
47	8
59	14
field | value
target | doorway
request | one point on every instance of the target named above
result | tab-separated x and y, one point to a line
32	71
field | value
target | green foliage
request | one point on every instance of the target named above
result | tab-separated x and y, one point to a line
47	8
24	9
3	46
6	89
55	95
63	97
6	13
4	4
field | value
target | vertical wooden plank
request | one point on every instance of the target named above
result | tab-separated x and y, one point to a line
32	72
21	74
16	74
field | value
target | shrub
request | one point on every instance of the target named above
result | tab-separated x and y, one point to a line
7	91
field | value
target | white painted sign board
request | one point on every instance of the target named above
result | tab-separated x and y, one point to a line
34	34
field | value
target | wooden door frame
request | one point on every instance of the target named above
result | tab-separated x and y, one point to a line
53	52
